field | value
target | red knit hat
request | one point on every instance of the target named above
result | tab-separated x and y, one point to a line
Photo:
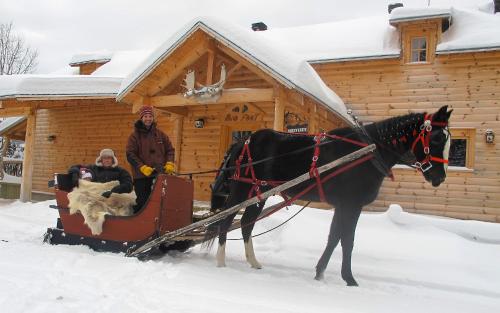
146	109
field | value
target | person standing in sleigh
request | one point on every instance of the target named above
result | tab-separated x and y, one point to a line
148	150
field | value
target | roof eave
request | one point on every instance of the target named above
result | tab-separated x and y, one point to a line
419	18
59	96
360	58
465	50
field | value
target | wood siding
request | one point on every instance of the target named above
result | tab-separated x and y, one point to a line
81	129
467	82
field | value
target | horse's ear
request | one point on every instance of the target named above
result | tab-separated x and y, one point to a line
442	114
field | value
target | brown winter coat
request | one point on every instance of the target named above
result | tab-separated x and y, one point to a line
149	147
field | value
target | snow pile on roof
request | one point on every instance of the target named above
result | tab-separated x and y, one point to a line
409	14
66	70
471	30
350	39
10	122
88	57
57	86
287	67
122	63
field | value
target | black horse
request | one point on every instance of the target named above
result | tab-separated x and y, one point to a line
421	138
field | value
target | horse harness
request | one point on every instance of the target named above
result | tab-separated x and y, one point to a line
424	137
313	170
422	165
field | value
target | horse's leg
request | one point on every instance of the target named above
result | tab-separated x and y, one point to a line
248	222
349	221
333	240
221	249
238	194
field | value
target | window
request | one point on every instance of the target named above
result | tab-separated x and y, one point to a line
462	147
418	49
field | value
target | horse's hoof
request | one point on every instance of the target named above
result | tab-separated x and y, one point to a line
352	283
257	266
221	264
319	276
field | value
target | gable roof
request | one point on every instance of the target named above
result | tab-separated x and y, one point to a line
288	68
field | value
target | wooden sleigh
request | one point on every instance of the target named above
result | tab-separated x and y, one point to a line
169	207
166	221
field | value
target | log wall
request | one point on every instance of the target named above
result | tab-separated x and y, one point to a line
467	82
81	129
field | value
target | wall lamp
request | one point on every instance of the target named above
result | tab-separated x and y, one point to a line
199	123
489	136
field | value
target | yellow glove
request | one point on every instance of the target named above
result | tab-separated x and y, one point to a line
146	170
169	168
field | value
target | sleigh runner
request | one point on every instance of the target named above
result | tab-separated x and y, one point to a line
166	220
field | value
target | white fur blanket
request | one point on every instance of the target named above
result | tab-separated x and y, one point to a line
87	199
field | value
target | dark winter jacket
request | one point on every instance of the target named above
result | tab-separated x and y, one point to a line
101	174
149	147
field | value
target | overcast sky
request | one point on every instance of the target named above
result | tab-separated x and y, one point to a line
61	28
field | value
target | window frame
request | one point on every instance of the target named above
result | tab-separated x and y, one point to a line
469	134
413	49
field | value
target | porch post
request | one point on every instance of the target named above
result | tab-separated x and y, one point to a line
29	142
279	109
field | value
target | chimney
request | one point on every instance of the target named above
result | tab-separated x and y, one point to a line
392	6
497	6
257	27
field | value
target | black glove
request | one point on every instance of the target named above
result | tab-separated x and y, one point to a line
74	179
75	175
106	194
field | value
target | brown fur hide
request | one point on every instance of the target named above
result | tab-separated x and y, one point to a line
87	199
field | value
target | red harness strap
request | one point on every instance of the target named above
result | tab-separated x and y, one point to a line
313	170
256	183
424	137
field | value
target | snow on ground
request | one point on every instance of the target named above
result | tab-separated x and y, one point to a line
403	263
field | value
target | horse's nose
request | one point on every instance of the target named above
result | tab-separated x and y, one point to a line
437	181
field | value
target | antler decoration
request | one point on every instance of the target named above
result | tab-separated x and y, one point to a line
210	93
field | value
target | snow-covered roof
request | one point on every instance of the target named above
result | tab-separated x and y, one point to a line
287	67
403	14
10	122
363	38
471	31
26	86
122	63
88	57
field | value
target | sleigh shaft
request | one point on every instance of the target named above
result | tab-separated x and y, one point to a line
134	251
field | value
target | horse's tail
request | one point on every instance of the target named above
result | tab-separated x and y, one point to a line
220	189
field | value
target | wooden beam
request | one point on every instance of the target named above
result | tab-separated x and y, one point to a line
29	144
14	112
232	70
210	67
279	109
178	141
228	96
252	67
176	66
182	111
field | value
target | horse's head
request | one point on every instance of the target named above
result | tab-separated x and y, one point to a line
432	145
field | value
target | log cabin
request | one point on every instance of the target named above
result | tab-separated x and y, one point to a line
290	79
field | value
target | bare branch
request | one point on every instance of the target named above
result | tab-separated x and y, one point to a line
15	56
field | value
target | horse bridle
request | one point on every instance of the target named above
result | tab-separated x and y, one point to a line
424	137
